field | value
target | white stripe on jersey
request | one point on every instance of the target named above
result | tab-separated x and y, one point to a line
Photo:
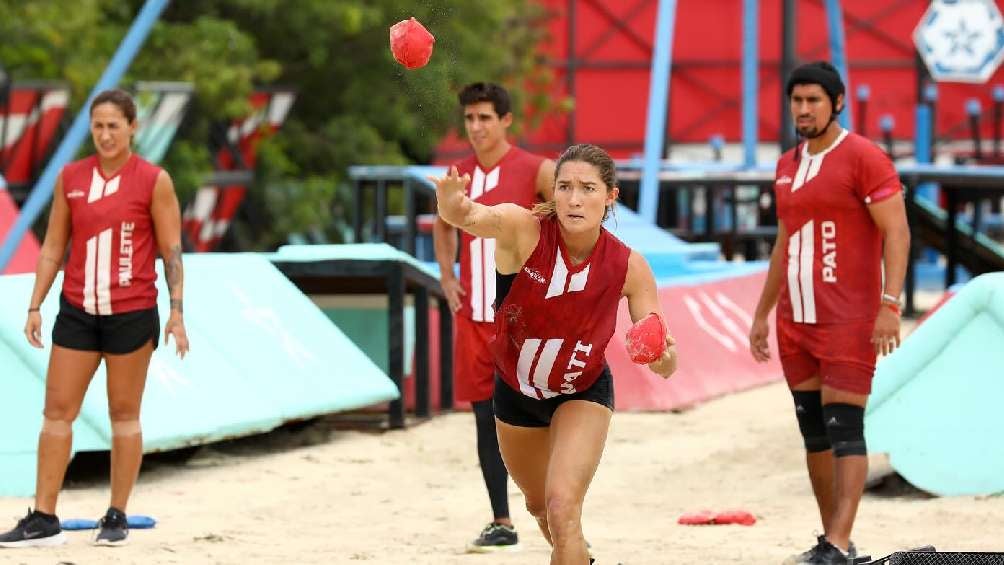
97	186
794	293
544	365
482	183
104	274
477	280
477	183
489	271
112	186
90	264
578	280
98	274
482	256
810	165
806	263
558	278
803	170
492	179
815	164
527	353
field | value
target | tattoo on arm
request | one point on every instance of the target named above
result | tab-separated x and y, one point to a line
174	272
491	217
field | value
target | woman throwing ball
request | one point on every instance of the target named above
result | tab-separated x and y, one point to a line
560	278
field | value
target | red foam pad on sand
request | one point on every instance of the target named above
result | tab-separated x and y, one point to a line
701	518
708	517
740	517
646	340
411	43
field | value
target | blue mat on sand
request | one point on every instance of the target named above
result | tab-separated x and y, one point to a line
135	522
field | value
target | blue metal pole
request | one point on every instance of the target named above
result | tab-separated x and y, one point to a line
838	52
922	150
658	96
750	81
922	134
42	191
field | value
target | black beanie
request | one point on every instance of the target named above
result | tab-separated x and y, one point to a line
821	73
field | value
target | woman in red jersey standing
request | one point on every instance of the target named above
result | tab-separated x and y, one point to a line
115	211
560	278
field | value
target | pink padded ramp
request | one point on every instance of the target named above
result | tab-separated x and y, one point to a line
711	323
27	253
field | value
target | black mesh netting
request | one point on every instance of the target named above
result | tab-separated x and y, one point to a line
941	558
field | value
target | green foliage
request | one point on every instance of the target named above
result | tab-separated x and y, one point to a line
355	104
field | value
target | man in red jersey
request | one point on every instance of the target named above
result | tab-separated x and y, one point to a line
841	225
560	278
500	172
116	212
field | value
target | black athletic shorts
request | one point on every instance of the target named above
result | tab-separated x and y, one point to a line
112	333
517	409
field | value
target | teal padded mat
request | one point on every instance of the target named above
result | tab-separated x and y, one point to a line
261	354
935	406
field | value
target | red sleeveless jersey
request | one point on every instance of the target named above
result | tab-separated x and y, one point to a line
554	324
112	244
833	265
513	179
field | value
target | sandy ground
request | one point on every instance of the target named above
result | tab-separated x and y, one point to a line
321	495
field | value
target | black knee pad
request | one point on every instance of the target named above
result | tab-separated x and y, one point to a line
809	411
845	424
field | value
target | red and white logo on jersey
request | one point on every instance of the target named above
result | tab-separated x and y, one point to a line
536	361
100	188
125	253
561	283
483	182
809	165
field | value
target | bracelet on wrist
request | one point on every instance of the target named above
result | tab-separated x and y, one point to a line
32	310
893	307
890	299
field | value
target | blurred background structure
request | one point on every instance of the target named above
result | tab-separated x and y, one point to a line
292	133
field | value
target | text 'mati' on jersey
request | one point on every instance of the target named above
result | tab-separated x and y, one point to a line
832	270
513	179
554	324
112	245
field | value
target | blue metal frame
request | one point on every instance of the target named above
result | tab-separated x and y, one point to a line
751	80
838	53
658	97
42	191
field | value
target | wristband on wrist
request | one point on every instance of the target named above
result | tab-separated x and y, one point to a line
32	309
893	307
890	299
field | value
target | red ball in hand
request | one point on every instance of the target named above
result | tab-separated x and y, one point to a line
646	340
411	43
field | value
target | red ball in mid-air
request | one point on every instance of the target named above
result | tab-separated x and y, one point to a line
411	43
646	340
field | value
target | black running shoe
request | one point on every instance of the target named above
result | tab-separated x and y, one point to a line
495	537
34	530
806	556
811	554
114	529
829	554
